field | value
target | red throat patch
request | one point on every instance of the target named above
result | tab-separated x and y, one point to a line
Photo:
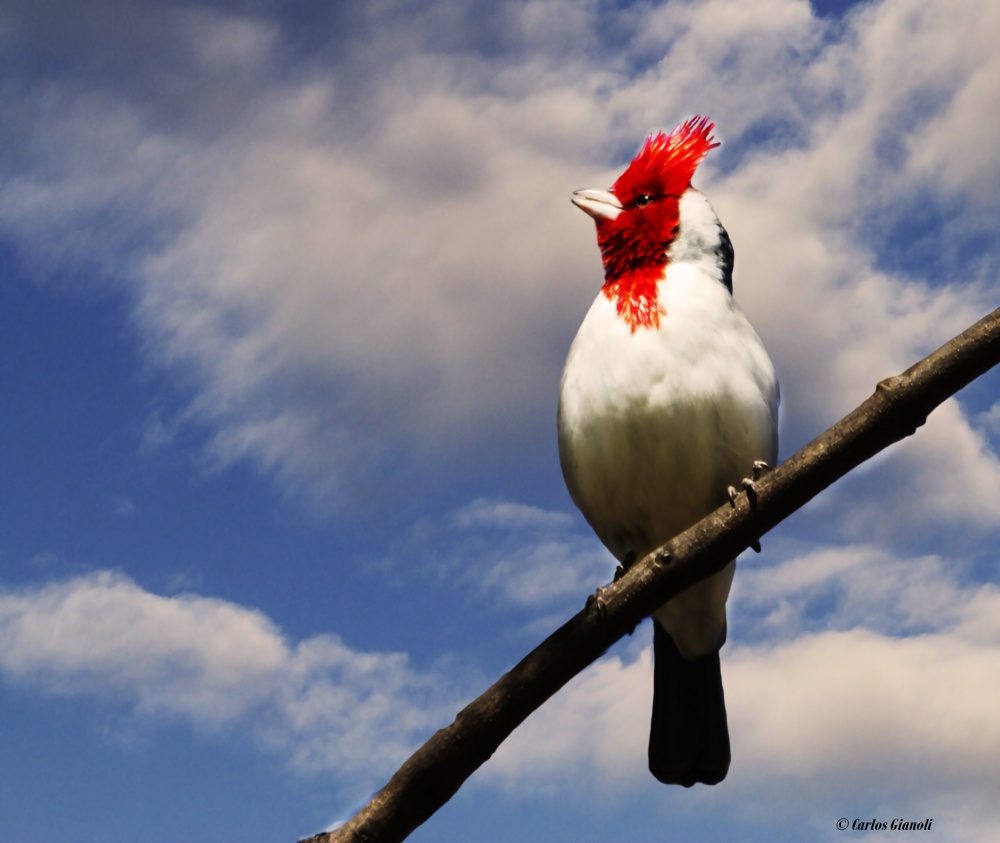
634	244
634	296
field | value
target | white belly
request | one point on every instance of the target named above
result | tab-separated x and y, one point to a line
655	425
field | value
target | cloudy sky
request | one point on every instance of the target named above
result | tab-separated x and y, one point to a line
286	291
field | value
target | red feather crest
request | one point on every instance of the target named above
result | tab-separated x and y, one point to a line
667	161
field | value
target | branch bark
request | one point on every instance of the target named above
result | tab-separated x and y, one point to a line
897	408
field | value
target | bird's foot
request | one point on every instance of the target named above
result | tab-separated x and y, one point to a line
595	603
623	568
749	484
625	565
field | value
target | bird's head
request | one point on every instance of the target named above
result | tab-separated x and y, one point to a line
639	217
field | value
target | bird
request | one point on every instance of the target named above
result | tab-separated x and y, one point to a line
668	398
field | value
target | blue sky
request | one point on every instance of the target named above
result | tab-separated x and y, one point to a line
284	302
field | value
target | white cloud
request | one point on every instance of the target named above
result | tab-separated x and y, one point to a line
484	513
949	474
886	703
350	283
990	419
847	587
187	654
703	56
218	665
859	721
594	731
526	556
365	259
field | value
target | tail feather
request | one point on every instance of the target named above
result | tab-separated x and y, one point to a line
689	736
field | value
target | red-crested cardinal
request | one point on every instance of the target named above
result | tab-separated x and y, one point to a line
667	398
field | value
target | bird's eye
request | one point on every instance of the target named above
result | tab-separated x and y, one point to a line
643	199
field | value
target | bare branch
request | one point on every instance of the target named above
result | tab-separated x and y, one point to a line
897	408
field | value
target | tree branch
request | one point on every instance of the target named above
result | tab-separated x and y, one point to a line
897	408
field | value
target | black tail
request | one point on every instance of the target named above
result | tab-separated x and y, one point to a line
689	737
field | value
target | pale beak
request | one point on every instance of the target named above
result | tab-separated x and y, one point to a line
600	204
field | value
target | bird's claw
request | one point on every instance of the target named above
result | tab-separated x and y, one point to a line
625	565
595	603
749	484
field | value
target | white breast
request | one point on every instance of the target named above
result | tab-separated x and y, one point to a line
655	425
